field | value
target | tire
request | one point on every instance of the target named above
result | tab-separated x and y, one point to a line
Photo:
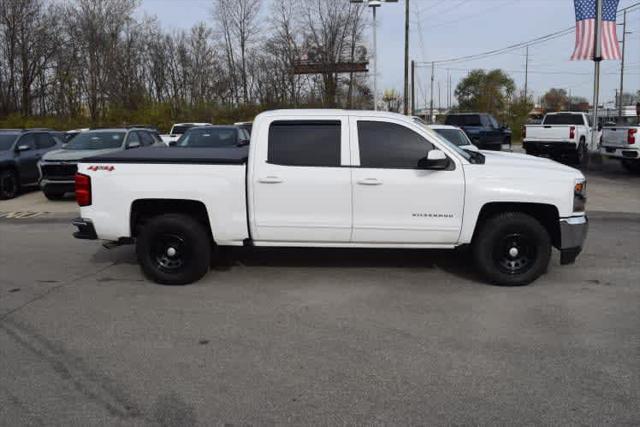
581	152
53	195
512	249
174	249
9	184
632	166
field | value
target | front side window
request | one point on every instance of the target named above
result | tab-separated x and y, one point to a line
390	146
180	129
305	143
96	141
146	138
28	140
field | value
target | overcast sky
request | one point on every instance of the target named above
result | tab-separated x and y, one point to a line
443	29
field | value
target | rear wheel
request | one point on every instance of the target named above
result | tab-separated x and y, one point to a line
581	152
512	249
174	249
9	184
631	165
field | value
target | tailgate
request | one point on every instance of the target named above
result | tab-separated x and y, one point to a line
548	133
615	137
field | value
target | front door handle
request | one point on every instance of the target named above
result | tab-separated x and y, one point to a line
370	181
271	180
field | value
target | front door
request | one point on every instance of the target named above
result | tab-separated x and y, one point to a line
27	159
301	189
394	199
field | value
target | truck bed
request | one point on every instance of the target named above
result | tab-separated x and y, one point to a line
170	155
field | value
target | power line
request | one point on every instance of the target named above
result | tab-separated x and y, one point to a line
537	40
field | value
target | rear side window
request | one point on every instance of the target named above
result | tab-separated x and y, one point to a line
304	143
390	146
563	119
44	140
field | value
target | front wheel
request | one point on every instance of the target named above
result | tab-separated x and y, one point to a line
9	184
174	249
512	249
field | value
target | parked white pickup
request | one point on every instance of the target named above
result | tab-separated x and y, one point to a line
334	178
623	142
563	134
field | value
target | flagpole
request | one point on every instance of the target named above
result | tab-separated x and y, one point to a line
597	53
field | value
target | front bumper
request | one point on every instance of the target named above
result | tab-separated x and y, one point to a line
573	233
549	148
86	231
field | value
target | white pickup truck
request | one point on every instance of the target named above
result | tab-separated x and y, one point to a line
561	135
623	142
333	178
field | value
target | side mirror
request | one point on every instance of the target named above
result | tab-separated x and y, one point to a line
243	142
133	144
23	148
599	127
172	143
435	160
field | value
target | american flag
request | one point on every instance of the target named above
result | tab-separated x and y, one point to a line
585	26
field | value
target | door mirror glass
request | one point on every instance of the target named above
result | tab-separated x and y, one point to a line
435	160
23	148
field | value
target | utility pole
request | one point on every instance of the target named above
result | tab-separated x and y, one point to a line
406	56
526	73
439	104
597	53
413	87
624	33
374	4
431	103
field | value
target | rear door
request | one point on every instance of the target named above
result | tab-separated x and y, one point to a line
301	182
394	199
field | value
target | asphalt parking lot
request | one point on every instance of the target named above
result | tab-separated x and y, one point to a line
318	336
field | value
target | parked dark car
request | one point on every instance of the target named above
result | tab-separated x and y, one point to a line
20	151
483	130
214	137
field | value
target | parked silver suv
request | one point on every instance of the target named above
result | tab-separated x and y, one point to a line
58	168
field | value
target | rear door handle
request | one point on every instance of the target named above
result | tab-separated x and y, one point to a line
271	180
370	181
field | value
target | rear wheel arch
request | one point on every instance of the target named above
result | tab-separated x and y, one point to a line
142	210
546	214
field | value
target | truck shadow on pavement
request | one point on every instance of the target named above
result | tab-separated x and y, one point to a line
457	262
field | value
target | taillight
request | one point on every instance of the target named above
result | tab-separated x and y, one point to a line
631	136
83	189
572	132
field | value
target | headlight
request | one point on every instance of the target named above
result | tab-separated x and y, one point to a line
580	195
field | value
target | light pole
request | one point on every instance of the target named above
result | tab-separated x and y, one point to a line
374	4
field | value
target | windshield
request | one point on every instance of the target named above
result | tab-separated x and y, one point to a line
563	119
96	141
464	120
466	154
456	136
209	138
180	129
7	140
